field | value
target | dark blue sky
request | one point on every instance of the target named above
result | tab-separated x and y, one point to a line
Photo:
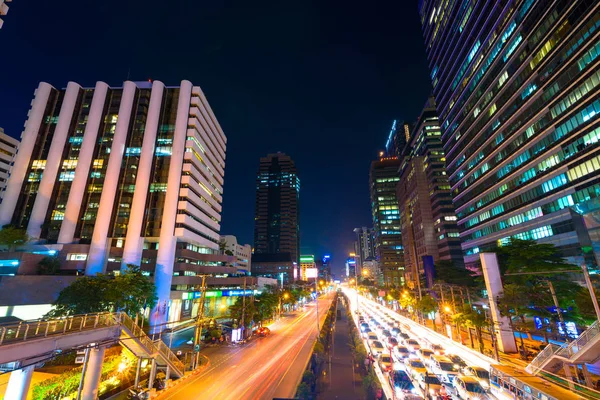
319	80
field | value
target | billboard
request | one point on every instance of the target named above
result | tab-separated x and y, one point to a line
311	273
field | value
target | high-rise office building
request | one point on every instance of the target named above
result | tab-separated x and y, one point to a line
8	150
383	179
364	245
516	85
3	10
426	212
397	138
276	220
122	175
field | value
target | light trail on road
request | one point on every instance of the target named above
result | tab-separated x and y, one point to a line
264	368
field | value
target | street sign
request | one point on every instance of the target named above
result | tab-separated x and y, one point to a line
79	360
196	348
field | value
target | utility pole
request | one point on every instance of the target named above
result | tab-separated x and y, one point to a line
561	320
199	319
243	311
317	302
417	272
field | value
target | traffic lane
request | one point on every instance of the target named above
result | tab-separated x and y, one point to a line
251	371
417	331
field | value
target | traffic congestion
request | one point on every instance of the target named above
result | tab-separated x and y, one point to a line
415	366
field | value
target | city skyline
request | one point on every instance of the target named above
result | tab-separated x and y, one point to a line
289	103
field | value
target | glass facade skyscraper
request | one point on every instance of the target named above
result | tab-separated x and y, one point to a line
276	219
516	85
383	179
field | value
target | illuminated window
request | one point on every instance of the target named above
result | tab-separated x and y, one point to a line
38	164
76	256
69	164
98	163
58	215
67	176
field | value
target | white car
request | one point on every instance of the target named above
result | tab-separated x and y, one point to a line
424	354
430	382
412	345
443	368
401	352
468	388
414	367
437	349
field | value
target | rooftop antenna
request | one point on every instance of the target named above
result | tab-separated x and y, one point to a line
128	73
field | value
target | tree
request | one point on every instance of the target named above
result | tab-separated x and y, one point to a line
530	256
129	292
228	253
11	237
470	318
243	308
222	246
447	272
426	304
49	266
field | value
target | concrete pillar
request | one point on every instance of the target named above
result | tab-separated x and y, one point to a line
586	376
96	261
163	274
92	374
53	162
82	171
23	157
152	376
493	283
569	375
18	383
132	251
137	372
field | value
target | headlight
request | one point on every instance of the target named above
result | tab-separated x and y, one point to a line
456	366
432	392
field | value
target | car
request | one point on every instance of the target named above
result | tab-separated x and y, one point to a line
392	342
468	388
412	345
385	362
364	326
481	374
263	331
395	331
430	383
401	384
459	363
376	347
365	333
414	366
379	328
437	349
403	336
386	334
401	352
443	367
424	354
372	336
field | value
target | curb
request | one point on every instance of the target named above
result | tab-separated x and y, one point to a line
175	383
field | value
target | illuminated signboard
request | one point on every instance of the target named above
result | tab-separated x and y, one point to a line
219	293
307	259
311	273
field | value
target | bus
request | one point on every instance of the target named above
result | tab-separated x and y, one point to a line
512	383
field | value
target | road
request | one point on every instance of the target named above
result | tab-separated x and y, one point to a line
262	369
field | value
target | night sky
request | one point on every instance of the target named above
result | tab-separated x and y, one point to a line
318	80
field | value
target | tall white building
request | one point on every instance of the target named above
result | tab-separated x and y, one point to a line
8	150
3	9
242	253
123	175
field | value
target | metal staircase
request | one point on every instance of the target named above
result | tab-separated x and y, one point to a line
30	339
585	349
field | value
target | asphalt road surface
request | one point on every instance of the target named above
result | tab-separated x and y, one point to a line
262	369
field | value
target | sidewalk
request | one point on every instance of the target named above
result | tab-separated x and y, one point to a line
342	379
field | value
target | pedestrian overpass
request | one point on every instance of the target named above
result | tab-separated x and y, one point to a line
27	343
582	351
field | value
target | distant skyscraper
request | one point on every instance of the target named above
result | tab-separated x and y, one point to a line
364	246
516	85
8	150
383	178
242	253
276	221
426	213
397	138
122	175
3	9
